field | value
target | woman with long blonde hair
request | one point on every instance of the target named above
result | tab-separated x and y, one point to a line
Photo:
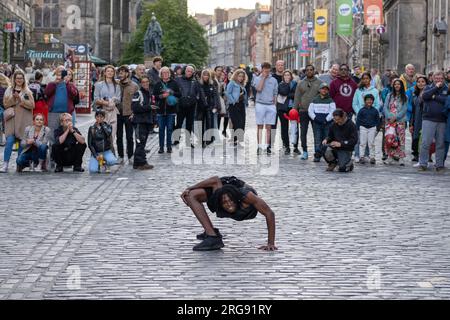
237	100
19	104
4	84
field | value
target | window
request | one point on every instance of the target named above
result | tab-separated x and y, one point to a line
47	15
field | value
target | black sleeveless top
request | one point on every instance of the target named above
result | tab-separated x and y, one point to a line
241	213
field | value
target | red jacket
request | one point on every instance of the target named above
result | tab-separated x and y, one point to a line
342	92
50	91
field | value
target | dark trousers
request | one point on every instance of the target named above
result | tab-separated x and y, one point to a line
187	113
237	115
142	131
304	124
340	157
320	131
205	117
415	147
165	123
284	123
68	156
121	122
225	122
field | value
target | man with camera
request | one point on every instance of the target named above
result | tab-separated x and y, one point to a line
69	146
341	140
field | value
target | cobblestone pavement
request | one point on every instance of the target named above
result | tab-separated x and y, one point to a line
379	232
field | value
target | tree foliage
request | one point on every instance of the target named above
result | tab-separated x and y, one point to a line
183	37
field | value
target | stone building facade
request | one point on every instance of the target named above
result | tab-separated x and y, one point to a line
105	25
13	44
244	40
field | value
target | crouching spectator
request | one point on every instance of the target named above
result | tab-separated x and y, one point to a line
100	144
69	146
341	141
35	145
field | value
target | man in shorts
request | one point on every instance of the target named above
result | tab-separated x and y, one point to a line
229	197
265	105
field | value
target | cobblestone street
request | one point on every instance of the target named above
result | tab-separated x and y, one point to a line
381	232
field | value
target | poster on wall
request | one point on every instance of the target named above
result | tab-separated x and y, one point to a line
373	13
344	18
82	80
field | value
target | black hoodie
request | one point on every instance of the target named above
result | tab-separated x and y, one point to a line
346	134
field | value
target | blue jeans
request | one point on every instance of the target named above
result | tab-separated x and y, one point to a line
165	122
10	140
320	131
447	145
109	158
33	154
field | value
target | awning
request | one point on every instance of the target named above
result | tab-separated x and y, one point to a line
97	61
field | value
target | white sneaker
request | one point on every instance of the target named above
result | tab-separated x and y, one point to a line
357	159
416	165
401	162
389	161
4	169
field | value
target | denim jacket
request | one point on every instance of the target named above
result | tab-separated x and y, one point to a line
233	91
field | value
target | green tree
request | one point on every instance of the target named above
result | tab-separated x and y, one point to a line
183	39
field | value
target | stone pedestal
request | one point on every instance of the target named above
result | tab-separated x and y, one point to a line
148	61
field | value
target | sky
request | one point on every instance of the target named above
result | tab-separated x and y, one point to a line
208	6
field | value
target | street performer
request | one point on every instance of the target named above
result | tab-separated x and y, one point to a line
228	197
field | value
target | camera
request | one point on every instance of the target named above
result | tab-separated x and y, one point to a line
26	97
63	74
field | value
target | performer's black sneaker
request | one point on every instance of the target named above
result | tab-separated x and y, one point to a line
210	243
202	236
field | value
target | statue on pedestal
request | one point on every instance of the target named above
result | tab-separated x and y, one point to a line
152	39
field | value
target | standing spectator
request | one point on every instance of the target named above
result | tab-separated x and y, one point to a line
385	79
416	118
100	144
153	73
279	70
330	75
40	104
365	88
357	73
321	113
285	101
4	84
340	142
107	96
207	108
69	146
343	89
367	121
143	122
221	84
178	71
376	80
409	77
384	93
447	130
166	93
434	121
138	74
60	95
266	111
191	93
237	100
35	145
394	110
128	89
307	89
19	104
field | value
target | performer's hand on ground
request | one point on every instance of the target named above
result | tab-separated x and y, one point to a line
269	247
184	195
